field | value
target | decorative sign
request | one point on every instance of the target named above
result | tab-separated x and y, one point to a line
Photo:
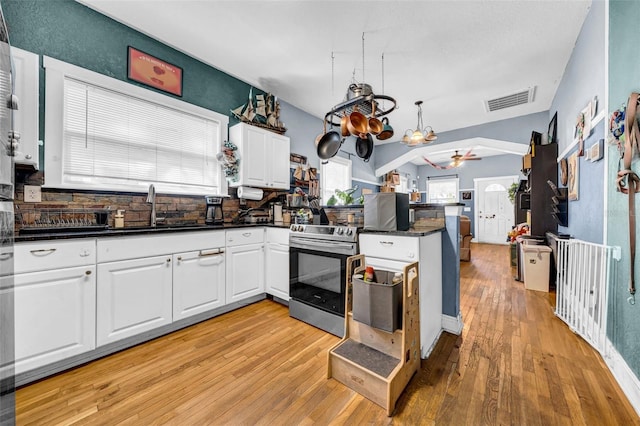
154	72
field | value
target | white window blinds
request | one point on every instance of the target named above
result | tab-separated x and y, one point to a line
115	136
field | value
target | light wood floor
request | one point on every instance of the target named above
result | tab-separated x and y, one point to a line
514	364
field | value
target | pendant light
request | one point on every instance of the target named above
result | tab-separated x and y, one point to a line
419	135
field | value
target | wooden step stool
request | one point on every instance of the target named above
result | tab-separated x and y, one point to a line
376	363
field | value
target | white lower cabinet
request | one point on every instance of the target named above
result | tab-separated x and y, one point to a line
198	282
277	263
54	315
245	271
133	296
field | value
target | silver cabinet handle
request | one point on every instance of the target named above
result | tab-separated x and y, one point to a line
246	234
43	252
214	252
386	243
5	256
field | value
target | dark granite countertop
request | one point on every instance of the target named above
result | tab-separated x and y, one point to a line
146	230
411	232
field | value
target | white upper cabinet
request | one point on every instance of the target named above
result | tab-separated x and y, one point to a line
264	157
26	69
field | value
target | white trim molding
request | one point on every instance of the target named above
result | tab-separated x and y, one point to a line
623	374
426	352
452	325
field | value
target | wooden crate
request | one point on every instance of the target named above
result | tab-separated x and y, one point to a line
373	362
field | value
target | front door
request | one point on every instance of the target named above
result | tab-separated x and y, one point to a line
494	211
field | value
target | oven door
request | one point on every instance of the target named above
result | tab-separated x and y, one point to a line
318	278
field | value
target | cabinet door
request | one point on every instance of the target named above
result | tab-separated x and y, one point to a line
133	296
254	160
245	271
55	314
279	161
198	282
277	270
26	67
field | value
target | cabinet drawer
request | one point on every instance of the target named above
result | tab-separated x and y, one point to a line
237	237
390	247
43	255
278	236
124	248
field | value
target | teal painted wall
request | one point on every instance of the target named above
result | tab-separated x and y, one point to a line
624	77
71	32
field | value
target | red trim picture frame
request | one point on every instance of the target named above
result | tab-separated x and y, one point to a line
154	72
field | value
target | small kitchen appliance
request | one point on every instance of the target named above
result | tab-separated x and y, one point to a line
213	213
277	213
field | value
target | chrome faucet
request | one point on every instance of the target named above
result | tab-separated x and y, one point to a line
151	198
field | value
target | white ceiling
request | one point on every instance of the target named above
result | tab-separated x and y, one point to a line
452	54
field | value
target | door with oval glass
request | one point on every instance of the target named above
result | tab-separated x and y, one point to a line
494	211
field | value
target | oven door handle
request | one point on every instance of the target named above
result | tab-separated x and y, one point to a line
324	245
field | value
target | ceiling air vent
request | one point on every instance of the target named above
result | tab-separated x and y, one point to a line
519	98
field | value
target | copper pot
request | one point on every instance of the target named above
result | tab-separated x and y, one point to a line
358	124
375	125
344	129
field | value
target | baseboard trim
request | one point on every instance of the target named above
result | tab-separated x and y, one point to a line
452	325
426	352
623	374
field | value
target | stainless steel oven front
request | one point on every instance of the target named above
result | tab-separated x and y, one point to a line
317	274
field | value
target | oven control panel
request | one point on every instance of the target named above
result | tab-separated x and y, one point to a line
333	232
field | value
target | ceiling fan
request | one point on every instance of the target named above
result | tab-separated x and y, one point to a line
456	160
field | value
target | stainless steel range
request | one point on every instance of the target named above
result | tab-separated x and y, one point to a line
317	273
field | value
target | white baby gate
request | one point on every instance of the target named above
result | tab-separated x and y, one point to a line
583	270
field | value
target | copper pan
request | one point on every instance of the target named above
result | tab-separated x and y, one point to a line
357	124
375	125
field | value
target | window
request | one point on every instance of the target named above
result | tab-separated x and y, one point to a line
105	134
335	174
442	190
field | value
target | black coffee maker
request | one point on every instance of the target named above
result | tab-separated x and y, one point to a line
213	213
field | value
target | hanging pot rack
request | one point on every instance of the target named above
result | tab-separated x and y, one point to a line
363	103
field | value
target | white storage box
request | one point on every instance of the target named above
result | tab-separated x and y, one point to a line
536	267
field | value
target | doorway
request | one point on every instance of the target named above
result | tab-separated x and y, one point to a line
493	210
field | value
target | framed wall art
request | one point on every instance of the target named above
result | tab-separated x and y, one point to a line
597	151
573	176
552	132
153	72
